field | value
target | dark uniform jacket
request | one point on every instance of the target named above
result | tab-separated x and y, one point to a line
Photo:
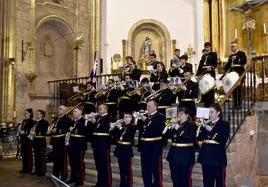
152	127
102	125
156	78
135	74
236	62
165	98
26	127
186	134
125	134
62	125
209	59
214	154
78	135
178	72
40	130
191	91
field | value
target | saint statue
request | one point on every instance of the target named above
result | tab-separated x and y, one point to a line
48	46
147	46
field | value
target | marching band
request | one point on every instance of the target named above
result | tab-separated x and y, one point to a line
124	108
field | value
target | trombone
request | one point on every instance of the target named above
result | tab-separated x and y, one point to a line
153	95
179	87
79	95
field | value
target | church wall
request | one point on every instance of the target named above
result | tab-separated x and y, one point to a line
37	95
177	16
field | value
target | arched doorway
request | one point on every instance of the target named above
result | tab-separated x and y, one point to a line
54	52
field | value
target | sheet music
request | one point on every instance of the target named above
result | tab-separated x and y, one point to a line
202	113
76	89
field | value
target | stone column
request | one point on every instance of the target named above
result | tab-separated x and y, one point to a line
8	54
222	28
206	21
215	25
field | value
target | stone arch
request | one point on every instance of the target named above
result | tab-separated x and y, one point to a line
158	29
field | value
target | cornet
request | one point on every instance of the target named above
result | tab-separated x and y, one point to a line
32	133
140	114
91	115
201	123
117	124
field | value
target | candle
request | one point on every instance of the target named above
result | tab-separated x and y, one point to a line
236	36
14	114
264	28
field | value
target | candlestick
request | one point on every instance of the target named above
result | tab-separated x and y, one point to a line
14	114
264	28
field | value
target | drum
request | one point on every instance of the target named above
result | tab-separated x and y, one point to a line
206	83
229	80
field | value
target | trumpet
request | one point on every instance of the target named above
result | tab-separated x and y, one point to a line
131	93
91	115
153	95
32	133
117	124
140	114
200	123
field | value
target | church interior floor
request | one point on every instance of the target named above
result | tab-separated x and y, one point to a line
9	176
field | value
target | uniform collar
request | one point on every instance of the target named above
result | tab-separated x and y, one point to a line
215	121
235	51
39	120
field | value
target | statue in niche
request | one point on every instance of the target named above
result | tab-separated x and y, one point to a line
48	46
147	46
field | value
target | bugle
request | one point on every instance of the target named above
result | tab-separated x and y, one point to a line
200	123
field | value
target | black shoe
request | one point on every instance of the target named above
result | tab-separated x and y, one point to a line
69	181
78	184
41	174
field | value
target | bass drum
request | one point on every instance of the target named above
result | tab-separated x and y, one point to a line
206	83
229	80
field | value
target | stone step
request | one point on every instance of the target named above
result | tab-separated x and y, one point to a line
91	178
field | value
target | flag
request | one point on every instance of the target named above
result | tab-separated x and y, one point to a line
93	73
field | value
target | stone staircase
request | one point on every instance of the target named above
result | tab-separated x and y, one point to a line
91	174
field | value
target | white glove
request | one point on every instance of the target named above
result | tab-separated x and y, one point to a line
208	128
181	70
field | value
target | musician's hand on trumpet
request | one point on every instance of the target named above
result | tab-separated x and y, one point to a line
117	124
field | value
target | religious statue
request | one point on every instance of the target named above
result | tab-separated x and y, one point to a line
147	46
249	21
48	46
